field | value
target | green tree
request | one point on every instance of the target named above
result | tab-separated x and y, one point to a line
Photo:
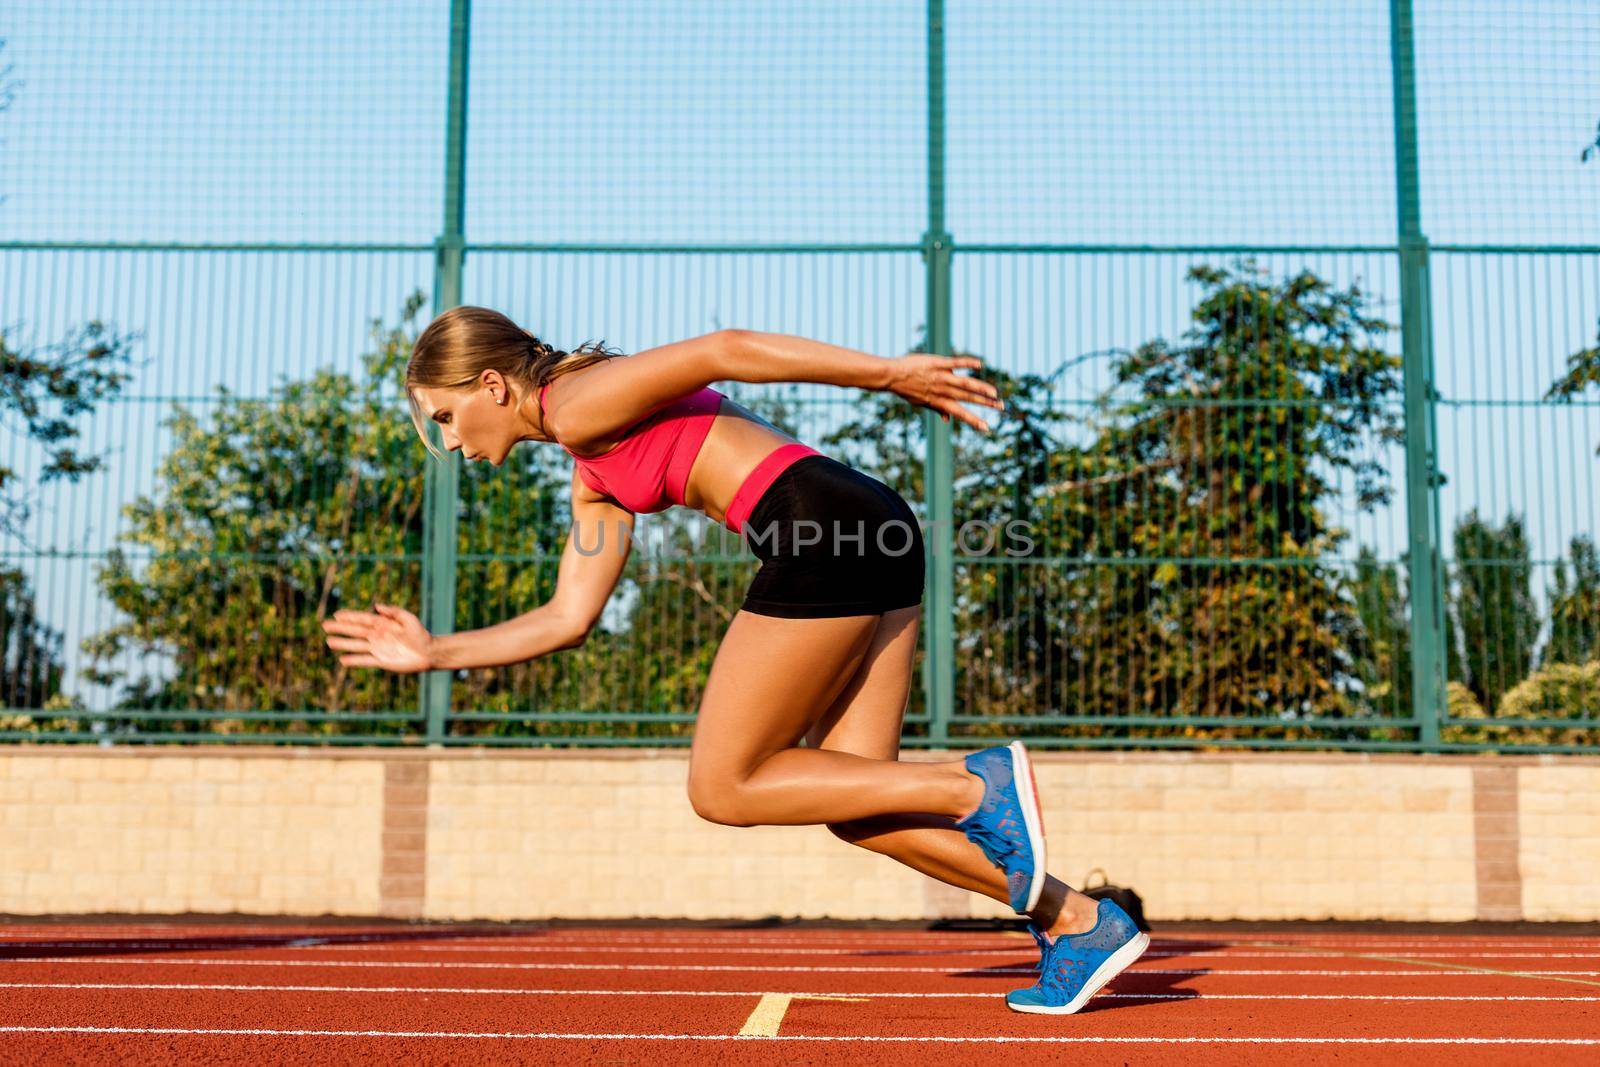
1575	608
1495	619
1164	552
1222	450
1582	373
1381	600
1172	538
31	666
271	514
1559	691
44	394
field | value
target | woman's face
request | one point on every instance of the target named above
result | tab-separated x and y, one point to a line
480	420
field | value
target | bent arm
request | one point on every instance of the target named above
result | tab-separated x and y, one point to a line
591	563
754	356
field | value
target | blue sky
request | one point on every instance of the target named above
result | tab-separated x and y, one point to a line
1136	122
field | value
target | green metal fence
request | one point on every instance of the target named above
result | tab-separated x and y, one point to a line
1290	303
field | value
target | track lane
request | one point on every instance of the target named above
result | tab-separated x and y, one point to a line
1206	999
1168	1013
410	1047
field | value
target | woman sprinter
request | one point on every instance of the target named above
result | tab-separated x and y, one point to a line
821	648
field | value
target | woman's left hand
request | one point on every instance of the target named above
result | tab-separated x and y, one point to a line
389	637
932	382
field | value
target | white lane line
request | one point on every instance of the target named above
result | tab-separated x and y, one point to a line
433	943
752	968
918	1038
509	944
451	945
1167	941
489	934
1010	949
873	995
443	936
1176	929
1007	949
999	950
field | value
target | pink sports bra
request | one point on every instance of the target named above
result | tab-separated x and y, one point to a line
648	469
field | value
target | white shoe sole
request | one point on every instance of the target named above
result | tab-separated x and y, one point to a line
1114	965
1032	818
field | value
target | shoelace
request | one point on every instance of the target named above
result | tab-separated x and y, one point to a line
1051	964
995	845
1044	947
1048	969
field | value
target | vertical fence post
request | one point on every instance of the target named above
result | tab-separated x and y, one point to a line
441	480
938	670
1425	572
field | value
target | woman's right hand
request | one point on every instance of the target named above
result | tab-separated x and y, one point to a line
932	382
389	637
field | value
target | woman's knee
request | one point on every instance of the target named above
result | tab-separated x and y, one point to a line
718	802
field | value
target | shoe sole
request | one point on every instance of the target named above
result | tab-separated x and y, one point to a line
1114	965
1032	819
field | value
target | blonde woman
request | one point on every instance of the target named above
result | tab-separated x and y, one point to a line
821	649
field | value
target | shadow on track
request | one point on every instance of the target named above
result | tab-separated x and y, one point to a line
304	938
1132	985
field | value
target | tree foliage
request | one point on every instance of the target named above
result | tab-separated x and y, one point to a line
271	514
1582	373
1165	547
1549	694
1575	607
44	395
1492	609
1165	551
31	664
1381	598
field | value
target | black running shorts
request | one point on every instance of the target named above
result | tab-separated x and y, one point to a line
832	541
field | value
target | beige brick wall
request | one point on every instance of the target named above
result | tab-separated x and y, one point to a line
1559	823
1268	837
580	838
189	831
604	834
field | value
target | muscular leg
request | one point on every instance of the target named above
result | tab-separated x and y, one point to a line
865	719
770	681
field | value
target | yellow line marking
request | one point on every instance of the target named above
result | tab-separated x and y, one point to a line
1423	963
771	1008
767	1017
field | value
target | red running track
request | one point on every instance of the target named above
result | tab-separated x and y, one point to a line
164	992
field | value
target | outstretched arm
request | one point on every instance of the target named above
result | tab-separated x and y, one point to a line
617	393
926	381
394	639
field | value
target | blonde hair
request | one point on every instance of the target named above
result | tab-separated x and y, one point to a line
465	341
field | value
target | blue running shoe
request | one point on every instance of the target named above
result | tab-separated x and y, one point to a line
1008	824
1072	968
